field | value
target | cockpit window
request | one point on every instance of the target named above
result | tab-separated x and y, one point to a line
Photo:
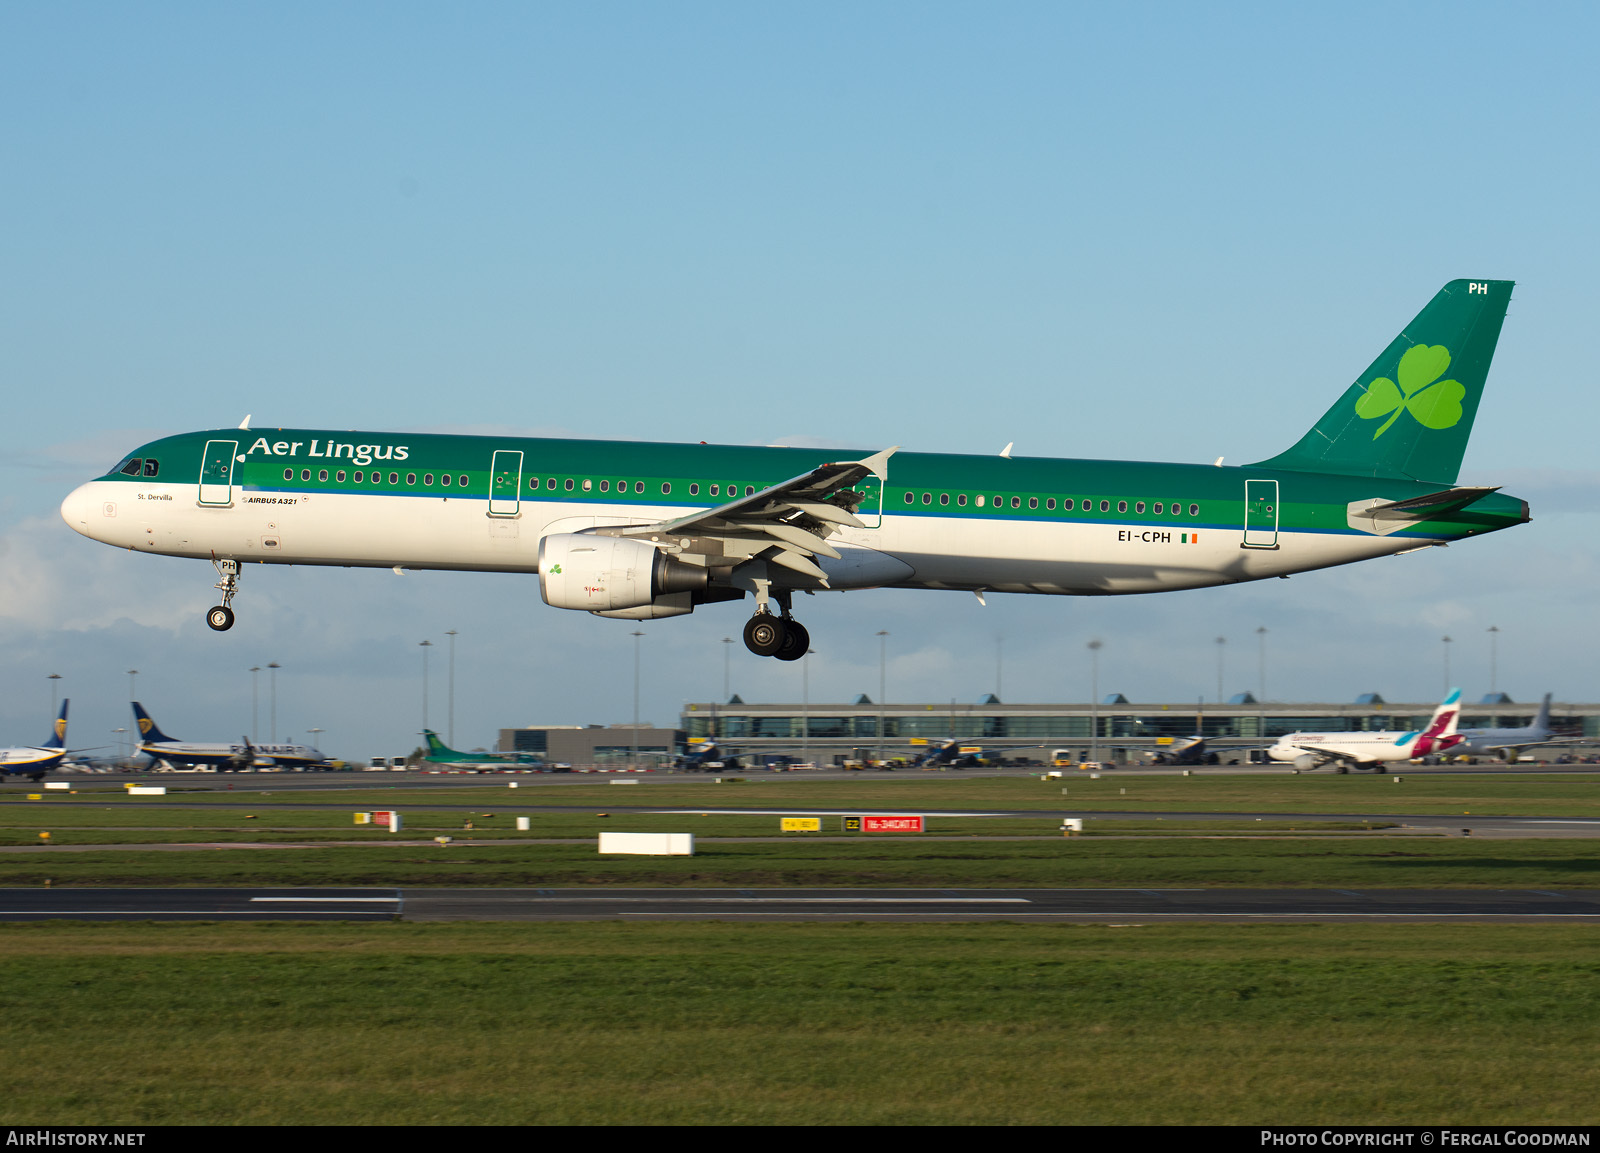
151	466
130	467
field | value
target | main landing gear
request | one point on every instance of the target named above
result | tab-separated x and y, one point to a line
220	617
768	635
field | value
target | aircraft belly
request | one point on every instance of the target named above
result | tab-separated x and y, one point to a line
1105	559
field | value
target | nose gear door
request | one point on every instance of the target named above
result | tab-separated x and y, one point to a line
505	483
216	472
1260	514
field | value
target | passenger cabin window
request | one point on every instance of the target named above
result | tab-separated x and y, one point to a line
1194	510
605	486
339	476
587	485
1033	502
1105	506
911	498
1139	508
694	490
427	478
1049	502
962	500
533	482
979	501
411	478
927	498
288	474
1066	504
462	480
551	483
322	476
1122	506
638	486
131	467
1156	508
1016	502
944	498
394	478
666	487
715	490
151	467
568	484
749	490
305	474
359	477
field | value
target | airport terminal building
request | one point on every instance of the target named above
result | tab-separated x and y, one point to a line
1113	729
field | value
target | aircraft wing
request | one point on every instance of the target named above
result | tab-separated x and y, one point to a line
790	521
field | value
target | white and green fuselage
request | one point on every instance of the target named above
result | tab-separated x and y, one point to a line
1368	481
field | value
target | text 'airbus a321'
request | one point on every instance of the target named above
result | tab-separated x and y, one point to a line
640	531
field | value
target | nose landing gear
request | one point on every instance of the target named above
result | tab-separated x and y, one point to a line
220	617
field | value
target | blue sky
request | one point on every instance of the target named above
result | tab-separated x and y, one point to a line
1151	231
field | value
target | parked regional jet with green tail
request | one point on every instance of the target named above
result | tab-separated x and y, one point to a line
639	531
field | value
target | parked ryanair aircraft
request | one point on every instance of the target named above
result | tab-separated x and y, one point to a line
640	531
224	758
34	761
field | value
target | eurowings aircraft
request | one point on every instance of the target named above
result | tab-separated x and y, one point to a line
34	761
1307	751
224	758
639	531
440	753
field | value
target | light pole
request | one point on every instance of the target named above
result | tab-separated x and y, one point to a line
255	704
450	727
133	676
272	713
726	658
883	683
1094	699
53	678
1222	647
1494	657
805	706
122	748
1261	685
636	634
1446	667
999	667
425	646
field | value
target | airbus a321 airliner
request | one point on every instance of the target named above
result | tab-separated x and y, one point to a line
640	531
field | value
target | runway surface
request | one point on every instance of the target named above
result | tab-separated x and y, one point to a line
1116	906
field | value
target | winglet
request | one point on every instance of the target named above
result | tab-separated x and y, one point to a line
245	423
878	463
1006	451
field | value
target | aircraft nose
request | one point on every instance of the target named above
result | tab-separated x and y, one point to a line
84	508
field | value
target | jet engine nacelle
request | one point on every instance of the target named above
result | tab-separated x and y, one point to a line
1305	762
612	573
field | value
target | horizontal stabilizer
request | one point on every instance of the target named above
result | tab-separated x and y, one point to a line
1382	517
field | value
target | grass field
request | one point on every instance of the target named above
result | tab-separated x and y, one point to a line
1355	863
1508	794
1172	852
798	1024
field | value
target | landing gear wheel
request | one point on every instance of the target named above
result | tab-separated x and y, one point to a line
795	641
220	618
1343	769
763	634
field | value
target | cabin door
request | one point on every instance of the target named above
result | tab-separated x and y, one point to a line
505	483
1260	514
216	472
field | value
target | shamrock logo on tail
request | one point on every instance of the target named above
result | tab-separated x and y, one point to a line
1433	402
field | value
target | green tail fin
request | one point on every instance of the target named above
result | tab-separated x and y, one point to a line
1409	415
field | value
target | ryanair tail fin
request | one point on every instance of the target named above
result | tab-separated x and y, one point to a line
58	735
1409	414
147	727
